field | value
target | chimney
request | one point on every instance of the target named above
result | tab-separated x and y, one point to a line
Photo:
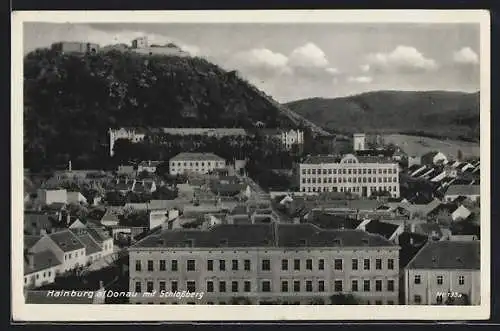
412	227
43	232
411	241
68	219
31	259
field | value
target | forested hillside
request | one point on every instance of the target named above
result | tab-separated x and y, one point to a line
435	113
70	101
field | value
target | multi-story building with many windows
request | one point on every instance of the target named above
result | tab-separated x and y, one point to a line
195	162
264	263
444	272
361	175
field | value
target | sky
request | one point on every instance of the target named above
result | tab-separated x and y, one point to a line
305	60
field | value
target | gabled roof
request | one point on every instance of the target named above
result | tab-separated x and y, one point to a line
196	157
37	221
66	240
30	241
91	246
97	234
42	261
464	190
328	221
445	254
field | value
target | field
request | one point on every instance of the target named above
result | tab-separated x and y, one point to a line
417	145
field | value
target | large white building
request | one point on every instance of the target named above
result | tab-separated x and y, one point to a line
444	272
361	175
201	163
264	263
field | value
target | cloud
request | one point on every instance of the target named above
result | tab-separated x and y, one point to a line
261	57
360	79
465	56
332	71
402	58
308	55
365	67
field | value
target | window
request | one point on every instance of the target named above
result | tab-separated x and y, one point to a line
354	285
174	286
378	264
309	264
321	286
235	264
191	266
439	299
173	265
417	299
163	265
37	276
366	285
284	286
296	264
338	264
247	286
461	280
222	286
296	285
366	264
222	265
378	285
210	286
440	280
247	264
137	265
354	264
163	286
284	264
149	287
234	286
338	286
150	265
378	302
321	264
69	256
390	302
266	265
266	286
417	279
390	285
309	285
191	286
138	287
390	264
210	265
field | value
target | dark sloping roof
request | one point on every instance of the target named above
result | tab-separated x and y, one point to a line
98	234
196	157
263	235
42	260
66	240
384	229
448	255
328	221
91	247
30	241
463	190
37	221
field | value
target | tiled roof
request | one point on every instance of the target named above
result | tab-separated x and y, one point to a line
386	230
464	190
262	235
97	234
150	163
196	157
445	254
375	159
328	221
66	240
37	221
91	247
239	210
42	260
30	241
317	159
357	204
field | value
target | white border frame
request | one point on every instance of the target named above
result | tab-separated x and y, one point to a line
22	312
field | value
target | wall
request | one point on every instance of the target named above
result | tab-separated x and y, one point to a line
428	288
39	278
256	275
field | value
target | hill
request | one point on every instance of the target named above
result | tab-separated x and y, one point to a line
70	101
437	114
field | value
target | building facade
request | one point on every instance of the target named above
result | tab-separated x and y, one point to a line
358	175
201	163
264	263
444	272
133	135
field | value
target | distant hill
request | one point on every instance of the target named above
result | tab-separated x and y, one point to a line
434	113
70	100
